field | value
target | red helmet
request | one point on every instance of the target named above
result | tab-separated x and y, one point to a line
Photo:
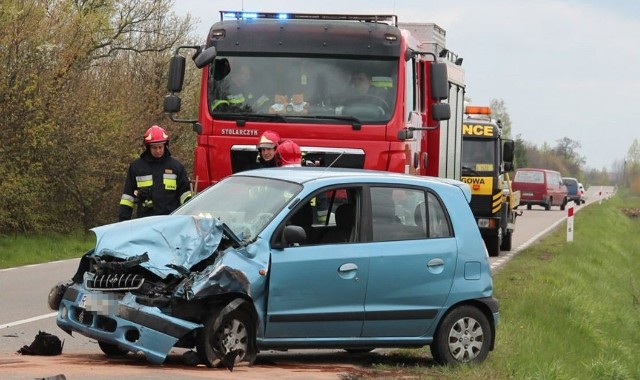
268	139
156	134
288	154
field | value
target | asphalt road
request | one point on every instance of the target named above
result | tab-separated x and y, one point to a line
23	312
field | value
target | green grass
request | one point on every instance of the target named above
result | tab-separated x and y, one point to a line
567	310
16	251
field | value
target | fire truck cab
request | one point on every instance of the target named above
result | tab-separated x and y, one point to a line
355	91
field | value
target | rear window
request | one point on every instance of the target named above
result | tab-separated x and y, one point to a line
529	176
571	184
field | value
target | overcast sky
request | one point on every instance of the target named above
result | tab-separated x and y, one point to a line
563	68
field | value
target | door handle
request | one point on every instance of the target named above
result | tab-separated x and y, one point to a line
348	267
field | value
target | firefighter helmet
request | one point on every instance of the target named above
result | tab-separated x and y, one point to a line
156	134
269	139
288	154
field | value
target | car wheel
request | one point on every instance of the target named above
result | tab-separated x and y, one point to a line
493	245
464	336
230	343
506	241
528	207
112	349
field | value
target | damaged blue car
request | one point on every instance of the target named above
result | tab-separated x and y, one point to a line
291	258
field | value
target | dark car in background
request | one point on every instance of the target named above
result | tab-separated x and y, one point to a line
573	190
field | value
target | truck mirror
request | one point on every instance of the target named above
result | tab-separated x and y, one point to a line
204	57
508	166
176	74
507	151
405	134
440	111
171	103
439	81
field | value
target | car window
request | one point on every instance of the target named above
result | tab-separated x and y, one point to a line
329	216
406	214
529	176
245	204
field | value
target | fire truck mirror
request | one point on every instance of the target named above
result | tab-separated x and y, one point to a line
405	134
176	74
204	57
171	103
439	81
440	111
508	147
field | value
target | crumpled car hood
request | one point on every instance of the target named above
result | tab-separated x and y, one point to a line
180	240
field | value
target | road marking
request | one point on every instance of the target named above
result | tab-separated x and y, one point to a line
28	320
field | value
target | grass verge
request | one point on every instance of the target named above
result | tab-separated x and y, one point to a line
17	251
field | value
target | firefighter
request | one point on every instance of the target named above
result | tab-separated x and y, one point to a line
238	96
288	154
156	182
267	146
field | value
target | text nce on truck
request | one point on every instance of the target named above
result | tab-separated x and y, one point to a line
486	160
293	74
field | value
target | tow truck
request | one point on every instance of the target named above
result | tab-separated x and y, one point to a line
487	159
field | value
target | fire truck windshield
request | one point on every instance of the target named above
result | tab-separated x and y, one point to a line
315	89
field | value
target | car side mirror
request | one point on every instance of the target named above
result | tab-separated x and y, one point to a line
293	235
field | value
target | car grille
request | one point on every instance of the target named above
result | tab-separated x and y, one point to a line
115	282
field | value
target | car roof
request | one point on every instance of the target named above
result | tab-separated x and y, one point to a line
304	175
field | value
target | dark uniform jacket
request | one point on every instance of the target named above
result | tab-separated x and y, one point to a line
157	186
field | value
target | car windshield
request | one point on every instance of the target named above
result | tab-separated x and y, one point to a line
245	204
317	89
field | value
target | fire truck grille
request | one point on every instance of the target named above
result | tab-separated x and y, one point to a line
115	282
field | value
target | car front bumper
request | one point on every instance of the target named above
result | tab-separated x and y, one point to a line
121	322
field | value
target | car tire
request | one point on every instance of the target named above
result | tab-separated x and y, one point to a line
234	336
464	336
528	207
112	349
506	241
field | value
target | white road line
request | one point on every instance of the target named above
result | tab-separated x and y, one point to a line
28	320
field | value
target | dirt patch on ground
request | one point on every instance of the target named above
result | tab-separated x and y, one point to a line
631	212
99	367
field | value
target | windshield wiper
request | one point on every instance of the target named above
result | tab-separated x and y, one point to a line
250	116
351	119
227	231
469	170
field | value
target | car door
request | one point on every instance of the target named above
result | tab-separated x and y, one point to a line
317	290
410	273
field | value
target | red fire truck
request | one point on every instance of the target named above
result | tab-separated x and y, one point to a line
296	74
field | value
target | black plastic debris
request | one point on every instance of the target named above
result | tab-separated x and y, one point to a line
56	377
44	344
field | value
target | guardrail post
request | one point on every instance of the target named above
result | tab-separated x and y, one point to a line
570	221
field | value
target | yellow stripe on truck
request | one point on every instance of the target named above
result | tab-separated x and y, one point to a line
479	185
